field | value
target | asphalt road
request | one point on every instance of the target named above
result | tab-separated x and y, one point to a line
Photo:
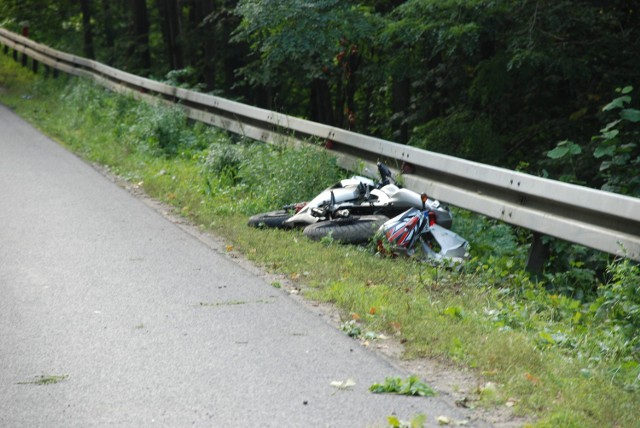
138	322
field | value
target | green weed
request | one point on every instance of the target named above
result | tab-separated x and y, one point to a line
45	380
410	386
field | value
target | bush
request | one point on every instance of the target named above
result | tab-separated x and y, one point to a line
618	303
277	176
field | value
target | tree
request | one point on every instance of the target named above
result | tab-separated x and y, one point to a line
139	51
169	13
312	45
87	29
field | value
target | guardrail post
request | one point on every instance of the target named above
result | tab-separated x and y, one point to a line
34	66
538	255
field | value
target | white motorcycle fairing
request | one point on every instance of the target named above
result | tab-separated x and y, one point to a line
345	191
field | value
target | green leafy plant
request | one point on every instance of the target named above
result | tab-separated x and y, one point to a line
611	158
351	328
409	386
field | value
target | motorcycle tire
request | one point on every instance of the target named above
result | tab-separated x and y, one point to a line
356	230
272	219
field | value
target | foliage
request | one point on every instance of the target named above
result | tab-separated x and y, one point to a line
186	78
296	37
461	134
300	175
317	45
618	304
417	421
611	157
396	385
163	131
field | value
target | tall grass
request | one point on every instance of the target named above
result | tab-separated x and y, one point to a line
564	362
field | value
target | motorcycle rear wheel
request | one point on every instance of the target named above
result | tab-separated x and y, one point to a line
353	230
270	219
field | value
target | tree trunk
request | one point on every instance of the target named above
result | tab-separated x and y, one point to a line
232	56
140	52
108	30
87	30
202	20
400	99
321	110
170	24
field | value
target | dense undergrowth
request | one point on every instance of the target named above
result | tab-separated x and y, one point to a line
565	358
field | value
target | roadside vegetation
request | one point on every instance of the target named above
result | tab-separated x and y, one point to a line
563	350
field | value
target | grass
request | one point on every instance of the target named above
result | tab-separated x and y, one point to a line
530	344
45	380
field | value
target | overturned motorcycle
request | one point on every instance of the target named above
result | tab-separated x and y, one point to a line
352	210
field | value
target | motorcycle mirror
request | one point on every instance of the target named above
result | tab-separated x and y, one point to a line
423	198
385	172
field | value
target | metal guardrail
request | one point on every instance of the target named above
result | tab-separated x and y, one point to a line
601	220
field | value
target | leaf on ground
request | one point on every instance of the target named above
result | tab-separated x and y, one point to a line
347	384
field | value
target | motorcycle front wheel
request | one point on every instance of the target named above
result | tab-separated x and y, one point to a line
270	219
351	230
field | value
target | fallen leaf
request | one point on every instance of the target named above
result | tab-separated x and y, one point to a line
229	248
511	402
347	384
355	316
531	378
443	420
463	402
372	311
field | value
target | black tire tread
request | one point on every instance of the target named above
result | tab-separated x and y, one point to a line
348	231
269	219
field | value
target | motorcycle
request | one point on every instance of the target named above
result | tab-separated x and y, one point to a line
352	209
416	233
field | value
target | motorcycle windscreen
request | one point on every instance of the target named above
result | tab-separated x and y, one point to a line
451	244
